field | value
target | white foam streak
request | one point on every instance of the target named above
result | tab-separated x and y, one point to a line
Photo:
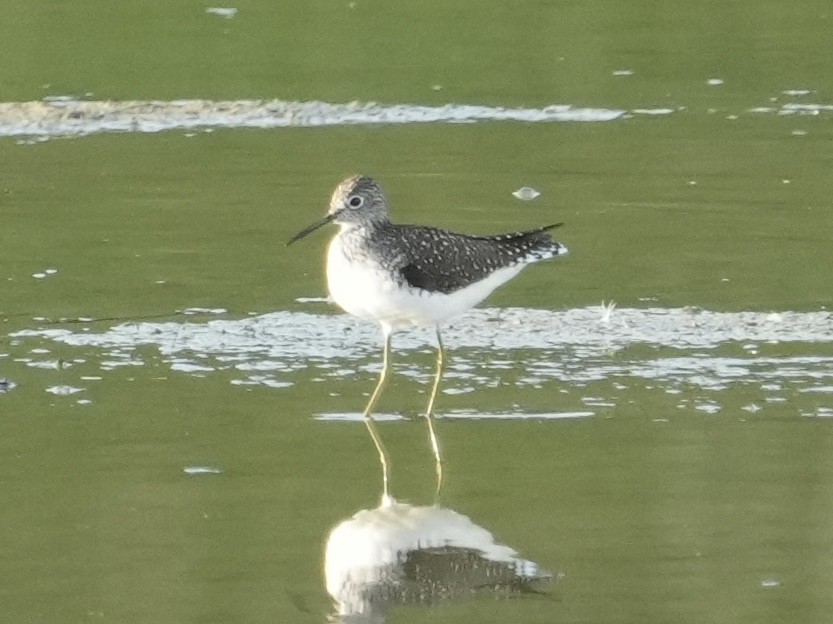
340	336
70	117
672	349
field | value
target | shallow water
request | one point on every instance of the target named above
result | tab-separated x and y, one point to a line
179	405
695	358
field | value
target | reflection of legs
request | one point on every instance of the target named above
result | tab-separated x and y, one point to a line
429	414
368	418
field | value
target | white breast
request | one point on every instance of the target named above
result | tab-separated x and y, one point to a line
365	289
361	287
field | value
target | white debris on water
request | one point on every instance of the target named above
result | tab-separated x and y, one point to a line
806	109
187	366
513	415
526	193
312	300
709	407
812	110
64	390
261	380
215	311
672	350
652	111
74	117
357	417
202	470
606	310
46	364
44	273
301	334
227	12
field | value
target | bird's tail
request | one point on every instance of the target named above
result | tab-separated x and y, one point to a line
541	243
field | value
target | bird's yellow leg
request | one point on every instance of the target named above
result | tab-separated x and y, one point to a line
371	425
429	415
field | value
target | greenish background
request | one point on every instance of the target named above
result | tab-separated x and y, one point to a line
687	520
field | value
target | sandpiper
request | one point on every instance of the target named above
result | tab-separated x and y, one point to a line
411	275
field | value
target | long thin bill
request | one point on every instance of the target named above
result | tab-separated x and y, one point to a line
309	230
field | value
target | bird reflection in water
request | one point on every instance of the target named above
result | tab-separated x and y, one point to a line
404	554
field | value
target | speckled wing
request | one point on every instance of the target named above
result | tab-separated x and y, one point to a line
441	261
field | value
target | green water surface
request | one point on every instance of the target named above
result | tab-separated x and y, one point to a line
651	515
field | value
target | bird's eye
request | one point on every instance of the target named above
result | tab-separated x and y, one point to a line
355	201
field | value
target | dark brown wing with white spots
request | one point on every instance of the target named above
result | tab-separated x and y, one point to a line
440	261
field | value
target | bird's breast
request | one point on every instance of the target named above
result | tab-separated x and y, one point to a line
364	286
358	283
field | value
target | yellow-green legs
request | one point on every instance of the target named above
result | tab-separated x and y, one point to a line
371	426
429	415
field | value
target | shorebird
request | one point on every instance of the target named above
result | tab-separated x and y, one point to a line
403	276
